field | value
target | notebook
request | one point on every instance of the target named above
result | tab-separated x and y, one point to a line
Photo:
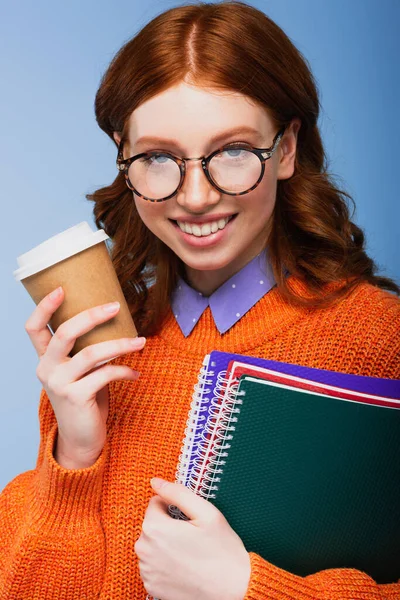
214	377
307	480
235	370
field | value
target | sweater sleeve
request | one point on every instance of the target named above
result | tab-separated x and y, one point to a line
270	582
51	536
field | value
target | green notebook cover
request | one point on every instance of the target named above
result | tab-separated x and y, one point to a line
311	482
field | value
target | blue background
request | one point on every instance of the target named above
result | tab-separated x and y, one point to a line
52	56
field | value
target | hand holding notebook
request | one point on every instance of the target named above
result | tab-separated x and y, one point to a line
190	559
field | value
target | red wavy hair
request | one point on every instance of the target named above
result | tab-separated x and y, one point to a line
230	46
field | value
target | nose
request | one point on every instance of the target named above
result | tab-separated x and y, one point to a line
197	194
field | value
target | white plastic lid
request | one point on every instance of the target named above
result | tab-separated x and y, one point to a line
58	248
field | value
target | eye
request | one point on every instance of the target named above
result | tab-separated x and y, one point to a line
155	159
234	153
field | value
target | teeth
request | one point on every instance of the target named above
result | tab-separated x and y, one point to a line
203	230
196	230
185	227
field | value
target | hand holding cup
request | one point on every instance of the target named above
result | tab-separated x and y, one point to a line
76	388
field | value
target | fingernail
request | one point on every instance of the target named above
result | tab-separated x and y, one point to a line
157	482
112	307
56	293
139	341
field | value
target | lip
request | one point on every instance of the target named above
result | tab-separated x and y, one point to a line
208	240
203	220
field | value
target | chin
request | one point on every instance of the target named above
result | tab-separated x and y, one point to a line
206	263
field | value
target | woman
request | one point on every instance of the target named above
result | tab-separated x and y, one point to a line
252	209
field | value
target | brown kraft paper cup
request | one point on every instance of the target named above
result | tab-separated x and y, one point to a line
88	279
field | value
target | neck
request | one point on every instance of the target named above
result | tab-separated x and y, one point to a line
207	282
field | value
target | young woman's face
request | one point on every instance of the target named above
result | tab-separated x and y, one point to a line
186	119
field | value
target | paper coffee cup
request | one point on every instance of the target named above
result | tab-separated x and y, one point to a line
78	260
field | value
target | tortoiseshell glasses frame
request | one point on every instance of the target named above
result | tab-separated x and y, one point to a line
262	153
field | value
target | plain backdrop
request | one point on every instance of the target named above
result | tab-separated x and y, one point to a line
52	153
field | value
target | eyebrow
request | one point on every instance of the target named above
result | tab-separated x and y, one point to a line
244	129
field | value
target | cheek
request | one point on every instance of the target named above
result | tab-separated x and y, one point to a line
262	203
151	213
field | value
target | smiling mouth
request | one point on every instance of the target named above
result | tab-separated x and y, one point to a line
205	229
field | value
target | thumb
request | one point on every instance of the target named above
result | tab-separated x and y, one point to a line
193	506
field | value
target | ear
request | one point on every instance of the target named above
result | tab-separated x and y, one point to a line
117	137
287	150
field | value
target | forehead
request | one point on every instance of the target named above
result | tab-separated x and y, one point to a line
192	115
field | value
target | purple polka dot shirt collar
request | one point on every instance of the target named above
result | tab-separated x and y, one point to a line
229	302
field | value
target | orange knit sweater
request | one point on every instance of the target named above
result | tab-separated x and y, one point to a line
70	535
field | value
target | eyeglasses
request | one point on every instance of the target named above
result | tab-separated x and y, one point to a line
235	169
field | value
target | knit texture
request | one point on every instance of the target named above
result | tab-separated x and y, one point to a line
70	534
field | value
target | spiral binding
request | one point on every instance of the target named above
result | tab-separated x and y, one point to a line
206	468
194	422
194	425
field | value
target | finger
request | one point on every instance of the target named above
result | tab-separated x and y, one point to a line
88	358
96	381
156	512
192	505
156	506
66	335
37	324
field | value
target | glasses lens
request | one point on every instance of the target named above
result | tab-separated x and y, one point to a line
235	169
154	176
